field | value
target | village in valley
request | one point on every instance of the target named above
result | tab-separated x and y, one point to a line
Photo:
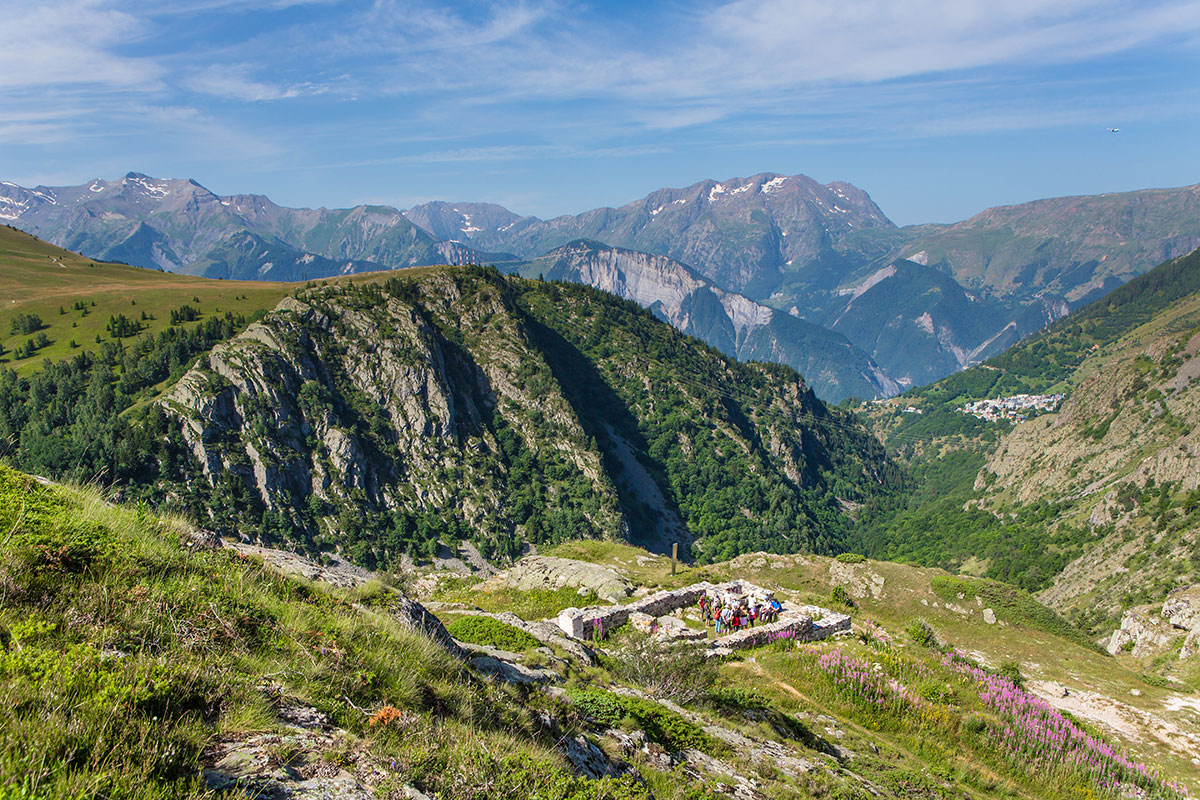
1017	408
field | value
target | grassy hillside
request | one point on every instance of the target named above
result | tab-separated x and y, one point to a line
133	659
1069	247
37	278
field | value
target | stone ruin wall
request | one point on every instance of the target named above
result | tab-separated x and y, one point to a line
800	623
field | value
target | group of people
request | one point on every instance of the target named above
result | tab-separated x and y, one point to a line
733	614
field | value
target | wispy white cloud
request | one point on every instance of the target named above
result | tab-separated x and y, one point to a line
779	42
75	42
233	82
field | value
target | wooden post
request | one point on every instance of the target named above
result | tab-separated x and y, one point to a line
674	556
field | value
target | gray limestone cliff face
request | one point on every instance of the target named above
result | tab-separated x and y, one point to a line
1173	626
332	402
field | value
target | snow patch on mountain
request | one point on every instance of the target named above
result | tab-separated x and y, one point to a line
657	211
715	191
148	186
924	322
743	189
773	185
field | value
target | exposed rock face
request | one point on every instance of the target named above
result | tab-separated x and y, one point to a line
547	572
312	409
249	763
1182	611
1151	629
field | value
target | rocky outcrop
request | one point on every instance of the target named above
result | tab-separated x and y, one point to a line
1152	629
253	764
312	410
1182	611
547	572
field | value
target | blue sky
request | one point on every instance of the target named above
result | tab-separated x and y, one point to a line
937	108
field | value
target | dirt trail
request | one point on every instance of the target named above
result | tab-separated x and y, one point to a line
1128	722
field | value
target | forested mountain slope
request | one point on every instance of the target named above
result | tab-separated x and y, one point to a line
456	403
1097	504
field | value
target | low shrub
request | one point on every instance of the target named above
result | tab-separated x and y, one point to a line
923	634
842	597
678	671
490	632
1012	671
660	724
851	558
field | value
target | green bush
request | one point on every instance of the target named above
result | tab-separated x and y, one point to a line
840	596
491	632
678	671
851	558
660	725
1011	670
923	634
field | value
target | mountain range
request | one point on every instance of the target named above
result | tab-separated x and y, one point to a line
906	305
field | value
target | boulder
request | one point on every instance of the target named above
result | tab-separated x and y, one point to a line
548	572
643	622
